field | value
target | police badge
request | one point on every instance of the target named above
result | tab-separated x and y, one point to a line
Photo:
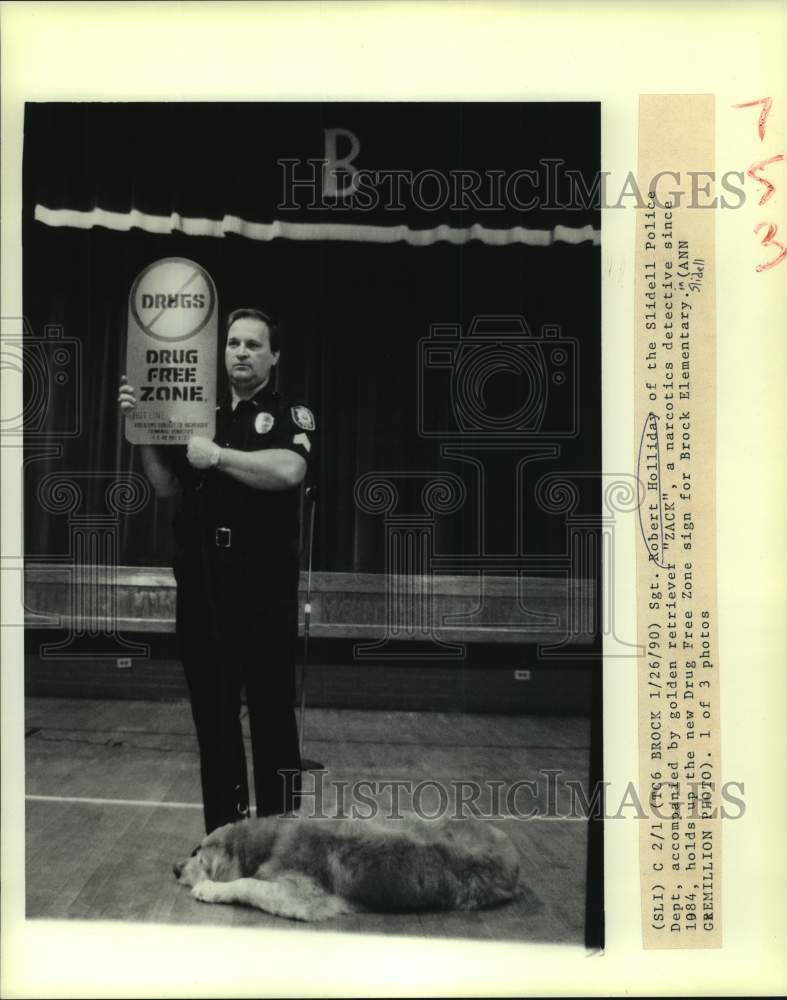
303	417
263	422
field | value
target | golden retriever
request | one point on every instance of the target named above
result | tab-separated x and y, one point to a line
315	868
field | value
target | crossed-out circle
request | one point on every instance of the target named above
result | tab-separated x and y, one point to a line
173	299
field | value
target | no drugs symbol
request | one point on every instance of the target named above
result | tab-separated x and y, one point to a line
171	352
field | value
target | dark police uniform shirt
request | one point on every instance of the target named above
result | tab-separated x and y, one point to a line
264	523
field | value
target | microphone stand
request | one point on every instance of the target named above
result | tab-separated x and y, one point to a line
311	497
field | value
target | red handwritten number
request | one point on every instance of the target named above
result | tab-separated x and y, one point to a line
752	172
769	241
767	104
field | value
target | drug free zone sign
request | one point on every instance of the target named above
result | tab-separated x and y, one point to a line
171	353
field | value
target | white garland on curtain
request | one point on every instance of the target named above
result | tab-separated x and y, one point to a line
351	232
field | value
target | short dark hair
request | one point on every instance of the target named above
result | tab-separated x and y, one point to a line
266	318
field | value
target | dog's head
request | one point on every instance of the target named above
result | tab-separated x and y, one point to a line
212	859
232	851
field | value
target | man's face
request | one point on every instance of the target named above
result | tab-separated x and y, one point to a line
248	356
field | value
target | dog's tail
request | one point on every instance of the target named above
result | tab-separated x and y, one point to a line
491	876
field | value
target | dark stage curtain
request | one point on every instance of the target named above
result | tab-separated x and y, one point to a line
353	314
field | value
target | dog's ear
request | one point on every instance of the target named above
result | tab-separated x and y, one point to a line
238	844
222	855
258	838
213	860
216	863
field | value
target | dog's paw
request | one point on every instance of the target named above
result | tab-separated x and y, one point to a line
207	891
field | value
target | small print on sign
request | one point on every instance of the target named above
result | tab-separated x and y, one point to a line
171	353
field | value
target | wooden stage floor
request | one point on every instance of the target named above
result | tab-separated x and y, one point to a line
113	799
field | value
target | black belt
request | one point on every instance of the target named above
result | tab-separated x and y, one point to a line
222	538
243	539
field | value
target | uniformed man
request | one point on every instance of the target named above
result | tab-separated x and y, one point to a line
237	570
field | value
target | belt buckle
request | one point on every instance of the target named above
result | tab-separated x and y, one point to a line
223	538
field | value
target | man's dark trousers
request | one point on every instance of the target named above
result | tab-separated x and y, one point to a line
237	625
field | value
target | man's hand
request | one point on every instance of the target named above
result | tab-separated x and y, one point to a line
202	453
126	397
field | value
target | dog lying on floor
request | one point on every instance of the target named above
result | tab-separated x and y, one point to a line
313	869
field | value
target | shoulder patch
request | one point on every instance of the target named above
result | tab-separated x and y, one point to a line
263	422
303	417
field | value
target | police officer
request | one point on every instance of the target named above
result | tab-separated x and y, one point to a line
237	570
